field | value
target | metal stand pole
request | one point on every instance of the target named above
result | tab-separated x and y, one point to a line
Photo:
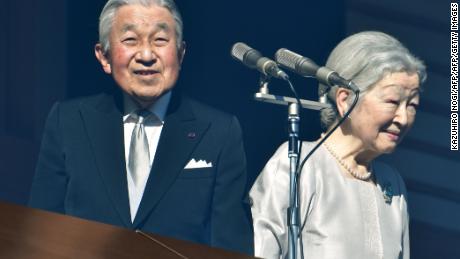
293	154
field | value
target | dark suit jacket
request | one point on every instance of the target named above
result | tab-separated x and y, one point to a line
81	171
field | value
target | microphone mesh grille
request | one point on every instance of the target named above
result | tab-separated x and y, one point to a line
239	49
287	58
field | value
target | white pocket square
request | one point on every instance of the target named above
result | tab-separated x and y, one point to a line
197	164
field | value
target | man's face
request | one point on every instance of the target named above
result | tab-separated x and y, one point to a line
143	57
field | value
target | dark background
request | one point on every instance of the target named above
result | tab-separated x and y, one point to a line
46	52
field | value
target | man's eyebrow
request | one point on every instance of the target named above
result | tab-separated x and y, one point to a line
162	26
128	27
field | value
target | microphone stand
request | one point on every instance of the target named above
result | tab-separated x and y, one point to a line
293	218
293	213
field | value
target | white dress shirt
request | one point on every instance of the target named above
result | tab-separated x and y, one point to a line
153	126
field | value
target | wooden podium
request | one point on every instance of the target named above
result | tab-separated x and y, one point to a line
31	233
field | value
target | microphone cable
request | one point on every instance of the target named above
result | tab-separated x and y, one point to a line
300	167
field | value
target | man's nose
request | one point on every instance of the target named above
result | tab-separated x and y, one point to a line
146	55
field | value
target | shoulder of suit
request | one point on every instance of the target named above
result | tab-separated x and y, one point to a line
201	109
91	99
103	102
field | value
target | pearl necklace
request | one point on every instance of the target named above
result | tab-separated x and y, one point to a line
364	177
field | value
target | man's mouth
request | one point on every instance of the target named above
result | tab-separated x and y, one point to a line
145	72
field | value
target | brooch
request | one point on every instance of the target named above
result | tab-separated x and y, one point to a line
387	192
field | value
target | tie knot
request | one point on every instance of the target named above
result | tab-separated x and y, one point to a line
141	115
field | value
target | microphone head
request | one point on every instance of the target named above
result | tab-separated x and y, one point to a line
287	58
295	62
245	54
238	50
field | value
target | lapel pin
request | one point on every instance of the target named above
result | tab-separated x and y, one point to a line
191	135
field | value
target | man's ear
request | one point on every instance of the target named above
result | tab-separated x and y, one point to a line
102	58
181	52
341	97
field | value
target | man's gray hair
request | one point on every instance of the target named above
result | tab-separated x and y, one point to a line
111	7
366	58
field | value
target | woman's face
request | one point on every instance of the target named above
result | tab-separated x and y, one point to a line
386	112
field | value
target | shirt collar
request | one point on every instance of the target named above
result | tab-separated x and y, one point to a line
159	107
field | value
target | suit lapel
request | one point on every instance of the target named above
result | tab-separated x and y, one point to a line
180	135
104	123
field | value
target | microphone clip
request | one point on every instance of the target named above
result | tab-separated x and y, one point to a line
264	80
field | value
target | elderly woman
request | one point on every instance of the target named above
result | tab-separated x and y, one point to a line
351	206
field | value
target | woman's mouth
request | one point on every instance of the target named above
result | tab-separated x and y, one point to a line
393	135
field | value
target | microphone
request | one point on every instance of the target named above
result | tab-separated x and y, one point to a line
307	67
253	59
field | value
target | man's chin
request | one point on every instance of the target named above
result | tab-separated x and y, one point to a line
146	100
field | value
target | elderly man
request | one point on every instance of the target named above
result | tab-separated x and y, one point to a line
145	157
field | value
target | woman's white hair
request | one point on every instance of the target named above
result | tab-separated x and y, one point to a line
111	7
366	58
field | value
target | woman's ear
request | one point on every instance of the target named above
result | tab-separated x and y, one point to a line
341	98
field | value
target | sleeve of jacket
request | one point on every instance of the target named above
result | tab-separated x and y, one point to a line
49	184
230	225
270	199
